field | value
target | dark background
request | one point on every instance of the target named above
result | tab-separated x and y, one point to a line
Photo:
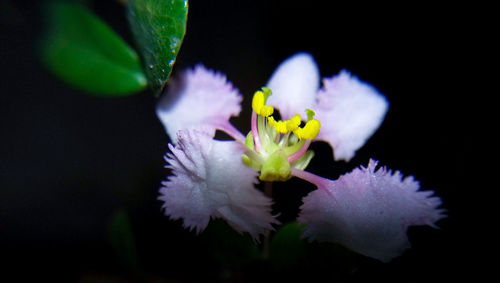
69	160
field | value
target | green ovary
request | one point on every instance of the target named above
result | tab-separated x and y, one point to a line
276	168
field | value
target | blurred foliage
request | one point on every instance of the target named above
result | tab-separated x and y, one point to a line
158	27
286	246
228	246
86	53
283	256
122	239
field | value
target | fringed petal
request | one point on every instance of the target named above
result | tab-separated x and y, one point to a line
368	211
294	85
350	111
200	99
210	180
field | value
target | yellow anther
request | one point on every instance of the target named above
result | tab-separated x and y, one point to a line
284	126
280	126
310	130
293	123
271	121
259	102
266	111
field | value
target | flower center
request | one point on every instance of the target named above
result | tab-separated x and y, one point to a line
274	147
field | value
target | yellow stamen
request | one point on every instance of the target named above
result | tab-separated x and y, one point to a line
259	102
293	123
280	126
285	126
311	129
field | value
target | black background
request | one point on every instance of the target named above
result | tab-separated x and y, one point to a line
68	160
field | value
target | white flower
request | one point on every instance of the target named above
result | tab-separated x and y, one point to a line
366	210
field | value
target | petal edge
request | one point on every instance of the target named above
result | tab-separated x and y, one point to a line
368	211
294	84
199	99
350	111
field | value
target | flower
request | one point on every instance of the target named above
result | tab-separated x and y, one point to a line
366	210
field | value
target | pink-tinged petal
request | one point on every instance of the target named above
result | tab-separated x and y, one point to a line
368	211
210	180
350	111
294	85
200	99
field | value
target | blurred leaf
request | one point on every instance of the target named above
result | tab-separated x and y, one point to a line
122	239
159	27
286	246
84	52
228	246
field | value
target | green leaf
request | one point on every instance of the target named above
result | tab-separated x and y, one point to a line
86	53
286	246
159	27
122	239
